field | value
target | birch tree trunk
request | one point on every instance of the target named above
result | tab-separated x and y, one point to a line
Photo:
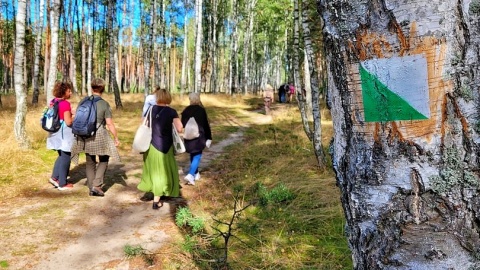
112	36
90	42
403	79
183	79
83	36
250	6
214	46
38	45
311	74
20	89
52	74
198	46
233	68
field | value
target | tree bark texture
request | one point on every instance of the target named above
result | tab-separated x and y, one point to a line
409	181
38	45
112	37
52	70
198	46
20	89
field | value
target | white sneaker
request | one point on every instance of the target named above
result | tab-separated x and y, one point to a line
190	179
197	176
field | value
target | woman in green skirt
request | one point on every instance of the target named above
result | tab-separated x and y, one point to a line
160	170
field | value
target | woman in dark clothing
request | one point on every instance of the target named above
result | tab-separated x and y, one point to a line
160	171
195	146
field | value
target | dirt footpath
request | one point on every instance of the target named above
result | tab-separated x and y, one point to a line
71	230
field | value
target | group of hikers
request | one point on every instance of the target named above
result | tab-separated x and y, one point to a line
286	92
160	171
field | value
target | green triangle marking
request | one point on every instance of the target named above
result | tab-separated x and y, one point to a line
382	105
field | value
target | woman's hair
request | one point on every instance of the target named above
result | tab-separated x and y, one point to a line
155	91
194	99
163	96
98	85
61	88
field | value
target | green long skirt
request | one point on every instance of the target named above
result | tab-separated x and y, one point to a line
160	173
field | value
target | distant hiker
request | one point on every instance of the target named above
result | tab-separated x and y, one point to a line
194	145
62	140
290	92
160	170
268	98
282	92
150	100
101	144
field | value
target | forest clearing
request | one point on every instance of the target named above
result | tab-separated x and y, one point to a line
42	227
391	171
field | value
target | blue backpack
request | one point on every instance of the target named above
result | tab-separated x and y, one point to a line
85	122
50	119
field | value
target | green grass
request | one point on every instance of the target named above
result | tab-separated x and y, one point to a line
296	220
299	225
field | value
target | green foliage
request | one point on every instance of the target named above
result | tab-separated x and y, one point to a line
184	217
189	244
4	264
137	250
279	194
133	251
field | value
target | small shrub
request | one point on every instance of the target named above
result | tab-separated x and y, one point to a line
133	251
4	264
279	194
137	250
184	217
197	224
189	244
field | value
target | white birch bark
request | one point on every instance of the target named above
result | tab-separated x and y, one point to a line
38	45
246	42
183	79
198	46
409	186
18	77
54	21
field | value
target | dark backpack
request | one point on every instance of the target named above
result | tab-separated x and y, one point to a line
85	122
51	120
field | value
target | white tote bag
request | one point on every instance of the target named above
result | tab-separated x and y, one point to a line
143	136
191	129
178	145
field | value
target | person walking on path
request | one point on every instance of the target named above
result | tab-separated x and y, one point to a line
160	170
290	92
195	146
62	140
282	93
150	100
268	98
101	144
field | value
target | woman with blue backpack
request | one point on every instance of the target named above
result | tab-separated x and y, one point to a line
62	139
93	136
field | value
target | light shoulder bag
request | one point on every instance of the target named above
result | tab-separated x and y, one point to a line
191	129
178	145
143	136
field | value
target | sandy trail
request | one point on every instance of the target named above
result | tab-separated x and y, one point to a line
135	223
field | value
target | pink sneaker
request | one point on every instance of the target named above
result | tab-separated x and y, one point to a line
54	182
68	186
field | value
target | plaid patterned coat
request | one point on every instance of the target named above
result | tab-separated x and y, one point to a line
101	144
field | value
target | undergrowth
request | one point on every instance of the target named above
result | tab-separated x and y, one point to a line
294	219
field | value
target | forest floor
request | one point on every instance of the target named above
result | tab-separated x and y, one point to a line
55	229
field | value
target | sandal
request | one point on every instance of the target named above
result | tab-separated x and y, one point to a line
156	205
97	191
